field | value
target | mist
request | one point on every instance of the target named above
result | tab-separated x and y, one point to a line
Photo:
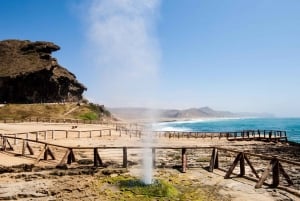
124	51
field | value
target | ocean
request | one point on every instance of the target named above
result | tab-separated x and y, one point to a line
290	125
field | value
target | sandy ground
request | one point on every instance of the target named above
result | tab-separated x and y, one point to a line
41	184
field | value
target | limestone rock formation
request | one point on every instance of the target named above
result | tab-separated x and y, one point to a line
28	74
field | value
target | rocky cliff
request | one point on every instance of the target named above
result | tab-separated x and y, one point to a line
29	74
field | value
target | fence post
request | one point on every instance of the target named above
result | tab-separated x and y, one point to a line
153	157
45	137
183	159
23	148
71	157
15	140
242	165
124	157
97	160
214	161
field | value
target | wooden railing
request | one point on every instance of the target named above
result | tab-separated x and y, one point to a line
211	156
267	135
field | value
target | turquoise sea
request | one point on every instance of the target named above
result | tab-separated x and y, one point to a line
290	125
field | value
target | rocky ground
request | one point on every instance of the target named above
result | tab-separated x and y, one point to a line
80	181
83	184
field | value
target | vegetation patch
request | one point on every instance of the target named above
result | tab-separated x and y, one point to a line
88	111
165	187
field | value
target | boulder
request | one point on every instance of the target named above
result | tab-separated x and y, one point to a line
29	74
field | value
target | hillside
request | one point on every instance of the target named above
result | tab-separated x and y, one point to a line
55	111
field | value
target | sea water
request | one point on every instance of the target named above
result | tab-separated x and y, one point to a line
290	125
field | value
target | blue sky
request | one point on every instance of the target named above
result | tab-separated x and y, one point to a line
230	55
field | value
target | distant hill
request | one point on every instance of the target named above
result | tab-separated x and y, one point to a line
175	114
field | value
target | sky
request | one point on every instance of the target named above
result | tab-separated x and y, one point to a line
233	55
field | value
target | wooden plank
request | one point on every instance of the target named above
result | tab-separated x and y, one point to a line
64	158
40	155
29	149
10	147
50	153
265	173
251	166
286	176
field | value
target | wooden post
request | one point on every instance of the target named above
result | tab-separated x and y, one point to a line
45	136
40	155
290	182
266	173
275	174
62	162
90	134
153	157
37	136
52	134
183	160
251	166
124	157
23	148
97	160
234	164
66	134
15	140
71	157
78	134
242	164
29	149
100	133
45	152
214	161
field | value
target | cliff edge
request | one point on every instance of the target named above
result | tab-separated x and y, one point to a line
29	74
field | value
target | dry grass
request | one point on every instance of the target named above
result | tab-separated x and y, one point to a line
55	111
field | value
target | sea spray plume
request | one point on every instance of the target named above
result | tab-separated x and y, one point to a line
122	39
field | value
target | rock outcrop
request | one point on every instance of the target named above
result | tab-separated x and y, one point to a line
28	74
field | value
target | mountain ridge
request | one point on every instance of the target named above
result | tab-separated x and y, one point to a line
130	113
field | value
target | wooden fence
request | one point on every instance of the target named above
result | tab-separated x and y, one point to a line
276	170
261	135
